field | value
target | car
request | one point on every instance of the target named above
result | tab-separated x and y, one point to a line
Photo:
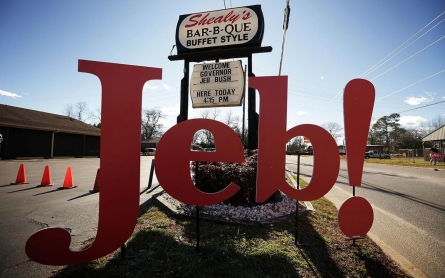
196	148
149	151
377	154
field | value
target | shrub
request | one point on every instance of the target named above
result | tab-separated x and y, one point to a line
215	176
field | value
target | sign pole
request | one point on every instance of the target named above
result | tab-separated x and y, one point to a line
184	104
252	119
285	26
244	104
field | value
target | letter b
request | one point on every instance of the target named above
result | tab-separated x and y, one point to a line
272	141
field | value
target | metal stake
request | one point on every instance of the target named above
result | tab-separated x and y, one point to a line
150	179
297	204
123	257
197	211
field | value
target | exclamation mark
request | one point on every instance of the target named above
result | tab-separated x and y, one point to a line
355	215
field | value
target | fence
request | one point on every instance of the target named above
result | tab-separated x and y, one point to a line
409	155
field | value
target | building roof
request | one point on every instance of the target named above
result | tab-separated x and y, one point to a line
437	135
17	117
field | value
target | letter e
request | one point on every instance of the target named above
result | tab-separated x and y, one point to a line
173	156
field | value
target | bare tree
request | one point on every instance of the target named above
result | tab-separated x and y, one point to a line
211	114
334	129
68	110
236	124
203	136
433	124
77	111
151	126
81	111
229	119
96	115
295	145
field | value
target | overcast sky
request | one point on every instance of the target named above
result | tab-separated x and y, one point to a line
398	45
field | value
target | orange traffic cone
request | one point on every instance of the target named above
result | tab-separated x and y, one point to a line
21	176
68	183
96	183
46	178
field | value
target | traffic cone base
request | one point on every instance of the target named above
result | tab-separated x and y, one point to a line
21	176
46	178
96	183
68	183
43	185
67	187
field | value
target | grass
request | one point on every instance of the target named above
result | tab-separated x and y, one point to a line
166	247
412	162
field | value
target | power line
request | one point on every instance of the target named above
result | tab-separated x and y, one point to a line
411	85
366	72
405	47
421	107
377	64
407	59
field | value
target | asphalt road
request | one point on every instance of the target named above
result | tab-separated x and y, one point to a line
409	211
25	208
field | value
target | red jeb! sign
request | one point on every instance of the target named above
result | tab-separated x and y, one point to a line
120	167
438	156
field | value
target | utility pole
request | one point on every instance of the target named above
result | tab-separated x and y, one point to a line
285	26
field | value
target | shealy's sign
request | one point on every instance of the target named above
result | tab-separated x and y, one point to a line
242	26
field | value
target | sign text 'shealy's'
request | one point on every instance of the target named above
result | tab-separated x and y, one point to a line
199	19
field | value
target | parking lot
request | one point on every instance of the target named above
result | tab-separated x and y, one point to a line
27	208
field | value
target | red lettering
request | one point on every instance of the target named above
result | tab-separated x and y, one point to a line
211	20
226	18
219	19
192	19
246	16
233	18
119	193
203	20
120	167
173	156
229	17
271	149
